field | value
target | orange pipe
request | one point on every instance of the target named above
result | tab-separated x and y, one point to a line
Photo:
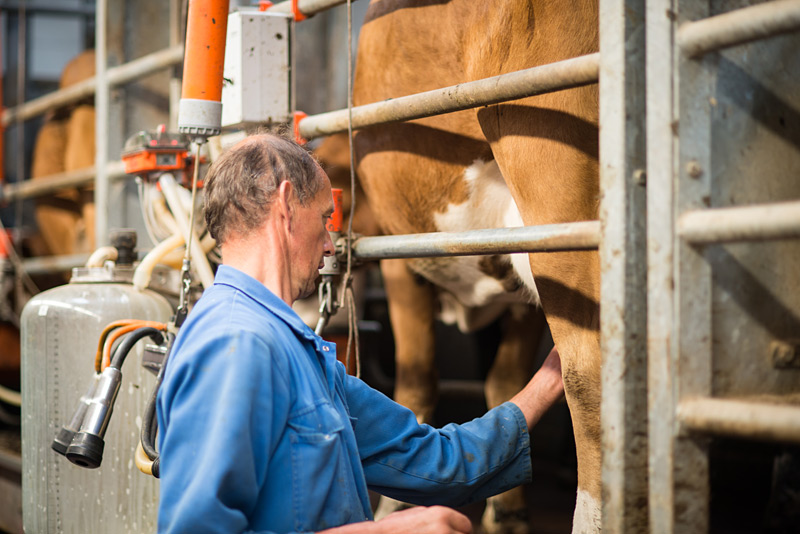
98	359
334	223
205	50
119	332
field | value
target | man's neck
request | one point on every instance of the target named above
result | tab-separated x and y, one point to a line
265	257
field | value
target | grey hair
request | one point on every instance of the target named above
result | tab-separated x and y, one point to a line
241	185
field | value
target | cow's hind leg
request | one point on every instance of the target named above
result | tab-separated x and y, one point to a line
507	513
411	308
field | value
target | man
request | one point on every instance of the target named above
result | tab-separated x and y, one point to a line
262	429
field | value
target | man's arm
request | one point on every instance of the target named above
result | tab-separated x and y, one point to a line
417	520
543	390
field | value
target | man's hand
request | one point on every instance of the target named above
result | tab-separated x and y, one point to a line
417	520
425	520
544	389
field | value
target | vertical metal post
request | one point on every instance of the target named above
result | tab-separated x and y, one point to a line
679	331
623	271
102	97
661	340
692	175
175	38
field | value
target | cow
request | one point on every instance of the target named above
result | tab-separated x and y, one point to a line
65	142
528	162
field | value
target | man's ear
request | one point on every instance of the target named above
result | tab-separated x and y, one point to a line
286	200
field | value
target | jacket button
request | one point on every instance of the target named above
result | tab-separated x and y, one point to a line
325	348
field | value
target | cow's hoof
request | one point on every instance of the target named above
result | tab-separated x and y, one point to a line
497	520
388	506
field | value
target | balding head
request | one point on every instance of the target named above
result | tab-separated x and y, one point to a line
241	185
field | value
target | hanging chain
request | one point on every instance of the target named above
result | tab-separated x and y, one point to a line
186	275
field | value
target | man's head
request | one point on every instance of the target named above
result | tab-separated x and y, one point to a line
241	185
265	174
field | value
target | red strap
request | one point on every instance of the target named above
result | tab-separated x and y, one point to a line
264	5
298	15
298	116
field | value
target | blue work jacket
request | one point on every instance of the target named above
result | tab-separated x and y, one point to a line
261	429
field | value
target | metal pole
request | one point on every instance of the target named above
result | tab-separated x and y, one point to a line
623	268
55	182
738	27
51	264
102	98
575	72
661	306
780	220
741	419
306	7
114	76
546	238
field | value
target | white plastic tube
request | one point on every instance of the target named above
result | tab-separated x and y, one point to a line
101	255
143	273
199	260
9	396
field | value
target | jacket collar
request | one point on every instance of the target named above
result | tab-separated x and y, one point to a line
230	276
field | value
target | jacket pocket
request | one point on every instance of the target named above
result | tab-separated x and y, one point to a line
323	492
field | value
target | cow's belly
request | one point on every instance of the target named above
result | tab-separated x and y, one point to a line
476	289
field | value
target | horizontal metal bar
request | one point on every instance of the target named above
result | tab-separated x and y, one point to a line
747	223
120	75
739	27
10	461
546	238
741	419
575	72
50	184
47	8
306	7
53	264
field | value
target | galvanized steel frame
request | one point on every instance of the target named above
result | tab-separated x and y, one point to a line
681	411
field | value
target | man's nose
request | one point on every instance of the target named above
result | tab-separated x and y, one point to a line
327	247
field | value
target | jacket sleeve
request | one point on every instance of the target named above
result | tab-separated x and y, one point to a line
454	465
218	410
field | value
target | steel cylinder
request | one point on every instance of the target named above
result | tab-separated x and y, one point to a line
60	332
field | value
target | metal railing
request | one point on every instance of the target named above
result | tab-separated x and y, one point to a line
575	72
680	286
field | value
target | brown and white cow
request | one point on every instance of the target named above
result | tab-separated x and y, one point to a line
531	162
65	142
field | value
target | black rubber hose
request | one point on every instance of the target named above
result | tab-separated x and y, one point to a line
150	423
130	340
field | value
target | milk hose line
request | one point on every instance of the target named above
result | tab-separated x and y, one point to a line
352	320
82	441
151	465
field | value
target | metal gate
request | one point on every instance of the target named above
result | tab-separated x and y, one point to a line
723	316
656	285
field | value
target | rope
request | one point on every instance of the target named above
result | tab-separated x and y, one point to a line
347	282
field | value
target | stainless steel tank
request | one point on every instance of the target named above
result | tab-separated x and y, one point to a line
60	331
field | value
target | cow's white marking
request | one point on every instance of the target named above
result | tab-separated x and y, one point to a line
489	205
587	514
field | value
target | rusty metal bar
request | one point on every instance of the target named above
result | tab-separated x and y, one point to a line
115	76
575	72
739	27
741	419
780	220
583	235
50	184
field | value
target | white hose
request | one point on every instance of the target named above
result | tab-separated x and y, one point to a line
101	255
9	396
143	273
201	265
175	257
